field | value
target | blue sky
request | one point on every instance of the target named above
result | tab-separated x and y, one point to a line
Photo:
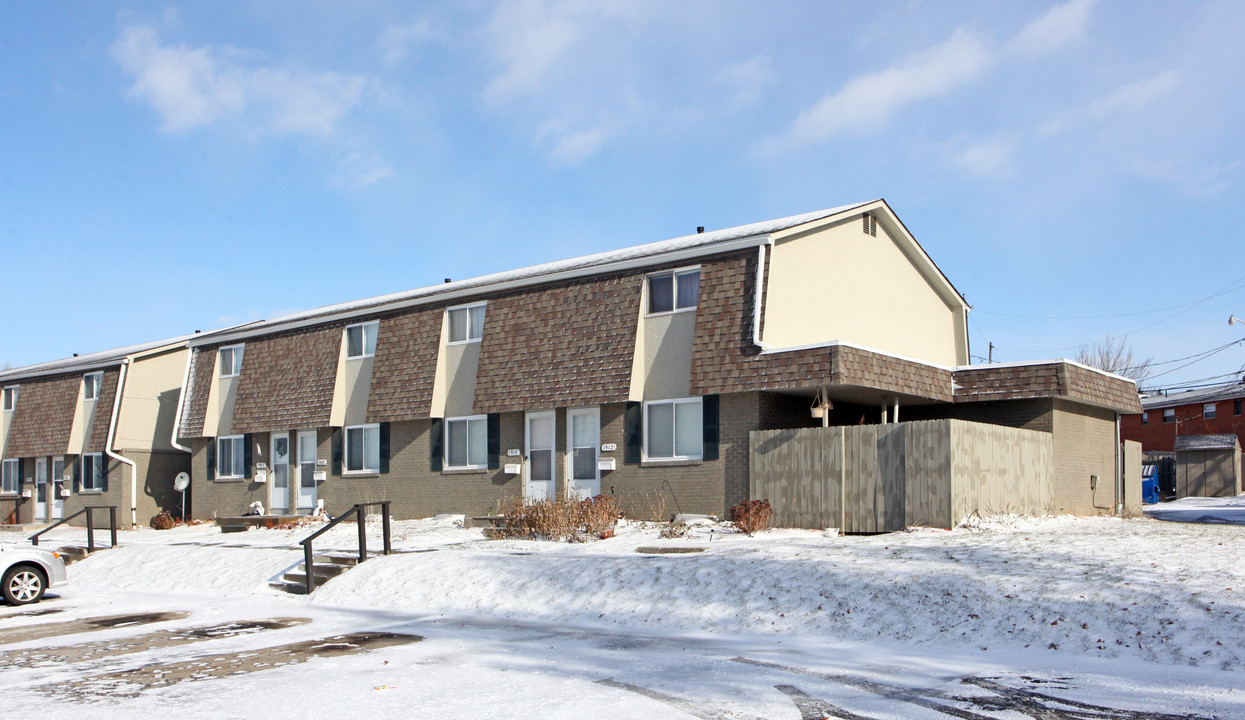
182	166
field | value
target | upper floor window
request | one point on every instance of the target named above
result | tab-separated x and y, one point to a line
674	429
361	340
1208	411
466	442
231	360
90	385
1169	414
673	291
363	449
92	471
231	456
10	398
1145	418
10	481
466	323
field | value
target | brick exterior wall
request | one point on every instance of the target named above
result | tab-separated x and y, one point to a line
725	360
1084	445
405	367
43	417
1189	419
287	379
98	432
565	345
203	363
1033	414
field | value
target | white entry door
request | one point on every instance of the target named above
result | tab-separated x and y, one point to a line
306	471
41	490
57	485
540	479
583	434
279	485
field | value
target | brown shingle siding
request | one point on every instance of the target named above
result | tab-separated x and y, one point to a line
406	365
287	380
203	363
103	409
561	345
1099	389
1056	379
43	417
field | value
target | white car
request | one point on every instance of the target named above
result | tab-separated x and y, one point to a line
28	572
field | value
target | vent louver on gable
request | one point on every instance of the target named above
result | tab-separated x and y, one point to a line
870	226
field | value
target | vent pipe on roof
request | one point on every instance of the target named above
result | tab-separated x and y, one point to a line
447	280
700	229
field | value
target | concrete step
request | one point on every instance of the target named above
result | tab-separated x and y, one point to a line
291	588
72	553
345	561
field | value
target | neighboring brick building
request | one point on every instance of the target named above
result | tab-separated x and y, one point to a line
638	373
66	443
1167	419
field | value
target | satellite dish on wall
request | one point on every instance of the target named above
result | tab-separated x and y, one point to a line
181	482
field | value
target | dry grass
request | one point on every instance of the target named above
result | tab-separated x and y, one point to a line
558	519
162	521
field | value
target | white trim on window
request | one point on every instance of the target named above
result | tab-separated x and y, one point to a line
90	385
474	442
683	291
10	480
367	340
10	397
1209	410
472	323
233	365
675	441
1169	415
91	472
236	457
368	462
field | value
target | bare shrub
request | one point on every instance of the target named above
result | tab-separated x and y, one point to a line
673	530
162	521
751	516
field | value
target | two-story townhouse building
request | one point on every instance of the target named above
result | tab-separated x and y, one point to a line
92	430
635	372
1188	436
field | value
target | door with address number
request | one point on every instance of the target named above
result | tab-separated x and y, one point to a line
583	440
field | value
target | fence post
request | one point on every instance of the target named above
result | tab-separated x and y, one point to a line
90	530
112	522
361	517
385	509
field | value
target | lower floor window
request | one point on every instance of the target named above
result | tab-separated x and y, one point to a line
363	448
10	480
673	429
466	442
93	471
230	456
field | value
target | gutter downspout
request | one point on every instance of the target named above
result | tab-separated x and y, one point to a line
181	398
112	433
757	297
1119	471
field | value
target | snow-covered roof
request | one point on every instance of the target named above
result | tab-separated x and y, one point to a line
1192	397
90	361
687	245
1219	441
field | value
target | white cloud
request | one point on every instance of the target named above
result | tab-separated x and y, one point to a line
866	102
1058	27
1134	96
746	80
396	42
192	87
527	38
577	146
987	158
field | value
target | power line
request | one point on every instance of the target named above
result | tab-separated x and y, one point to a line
1235	285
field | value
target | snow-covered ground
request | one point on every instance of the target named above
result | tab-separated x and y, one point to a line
1229	510
1132	613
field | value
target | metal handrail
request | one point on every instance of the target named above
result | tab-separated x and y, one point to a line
361	517
90	525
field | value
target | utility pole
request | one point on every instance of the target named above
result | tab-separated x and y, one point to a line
991	358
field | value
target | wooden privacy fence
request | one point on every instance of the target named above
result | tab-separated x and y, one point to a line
881	478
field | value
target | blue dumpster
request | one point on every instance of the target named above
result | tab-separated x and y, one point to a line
1149	484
